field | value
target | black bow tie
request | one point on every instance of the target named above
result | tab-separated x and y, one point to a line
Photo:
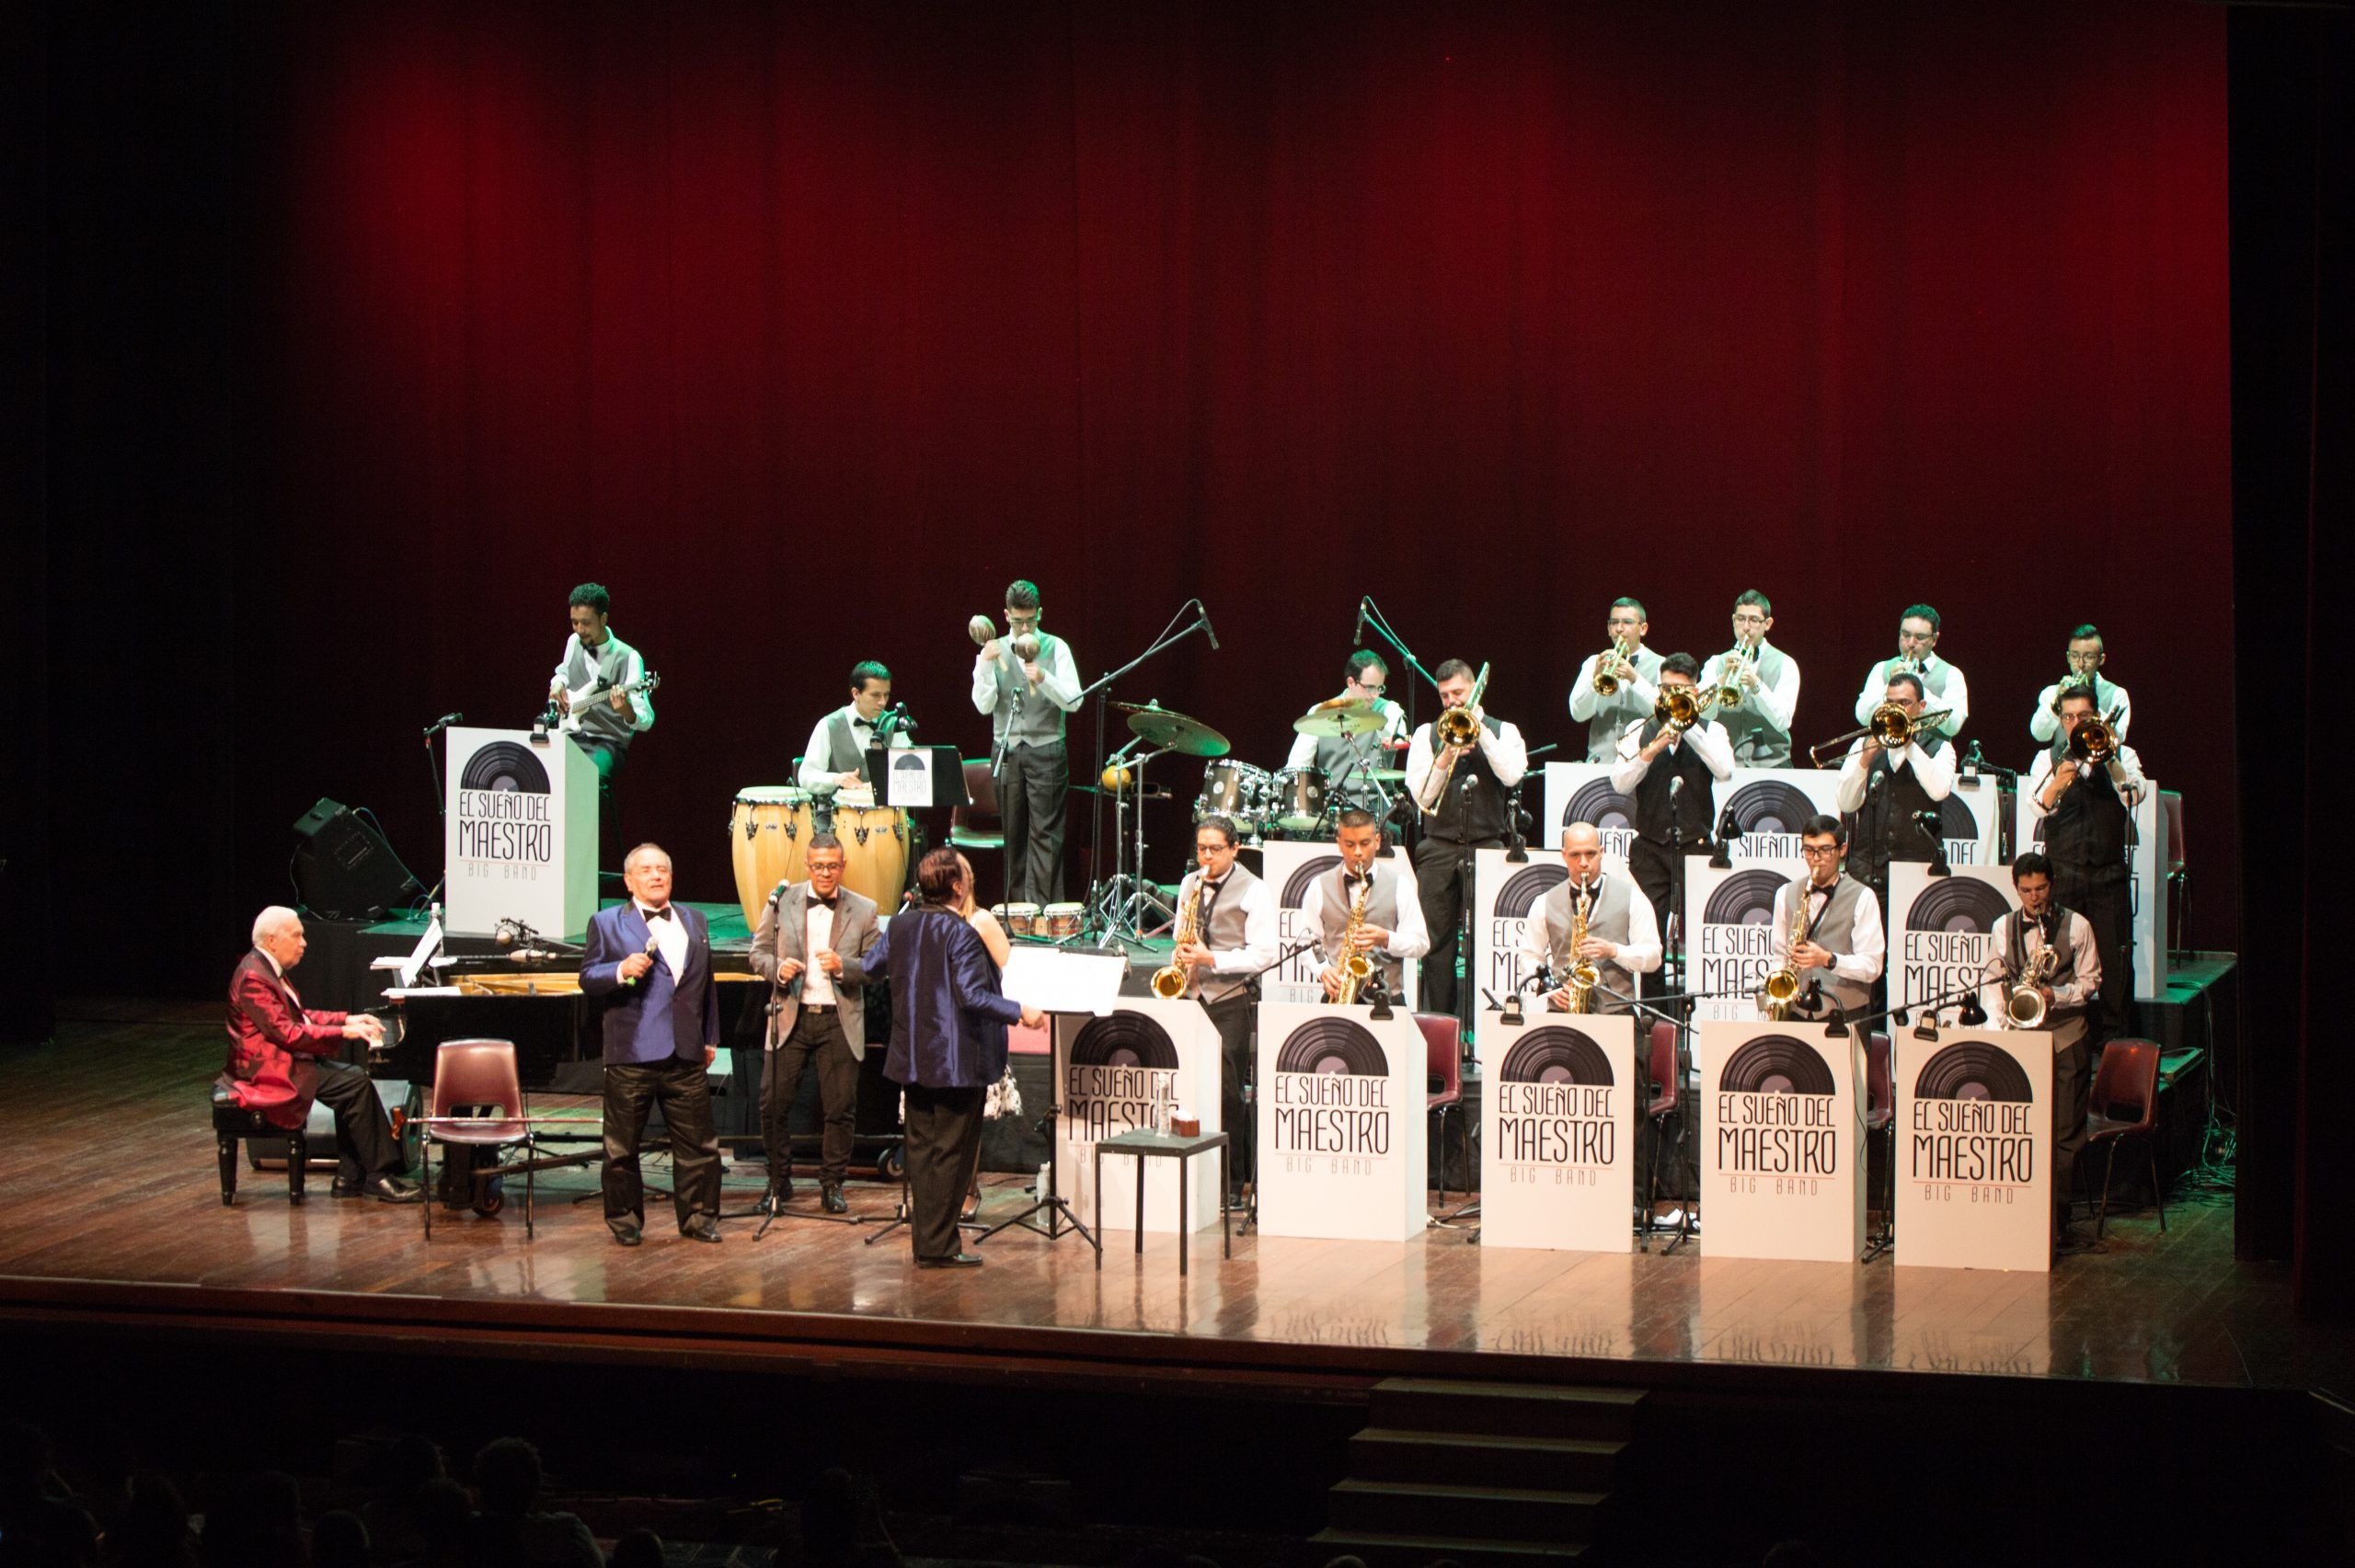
661	914
1352	878
827	902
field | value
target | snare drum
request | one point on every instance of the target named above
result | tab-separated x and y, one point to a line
767	831
1233	790
1061	920
1021	918
1296	800
875	852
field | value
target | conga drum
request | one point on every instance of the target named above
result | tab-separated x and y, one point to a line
875	852
766	834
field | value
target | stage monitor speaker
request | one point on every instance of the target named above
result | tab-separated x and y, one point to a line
343	866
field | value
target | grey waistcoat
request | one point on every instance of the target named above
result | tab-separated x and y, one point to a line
1225	931
1834	929
1756	742
1381	908
1605	918
1023	715
1612	713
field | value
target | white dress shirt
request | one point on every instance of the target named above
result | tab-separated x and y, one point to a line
1394	728
1639	955
1410	938
1585	699
1955	699
1777	700
1058	676
2044	724
1935	774
1507	753
1707	740
814	772
2087	964
817	936
1260	944
2125	776
1869	942
670	934
641	703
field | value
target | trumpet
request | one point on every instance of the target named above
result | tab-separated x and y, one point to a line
1605	682
1169	981
1682	707
1891	728
1453	732
1743	656
1782	988
2024	1003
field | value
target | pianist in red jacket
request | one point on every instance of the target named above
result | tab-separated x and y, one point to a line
283	1056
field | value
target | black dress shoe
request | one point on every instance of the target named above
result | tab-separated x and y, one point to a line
702	1227
771	1201
626	1231
830	1198
955	1260
384	1189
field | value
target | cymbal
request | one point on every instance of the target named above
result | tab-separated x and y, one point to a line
1342	715
1174	732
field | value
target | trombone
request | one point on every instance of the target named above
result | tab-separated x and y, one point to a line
1453	733
1682	707
2096	737
1891	728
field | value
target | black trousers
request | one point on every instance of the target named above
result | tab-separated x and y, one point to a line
1032	782
2073	1086
817	1040
1238	1117
364	1145
678	1085
607	756
1653	867
2104	895
1443	878
943	1130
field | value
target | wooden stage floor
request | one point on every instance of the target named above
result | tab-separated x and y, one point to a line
114	1213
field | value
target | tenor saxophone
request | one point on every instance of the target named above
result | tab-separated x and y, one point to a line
1169	981
1782	988
1584	975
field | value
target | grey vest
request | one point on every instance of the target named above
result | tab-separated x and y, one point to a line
1023	715
843	753
1756	742
2064	971
1223	931
610	663
1333	902
1836	931
1614	712
1605	918
1352	754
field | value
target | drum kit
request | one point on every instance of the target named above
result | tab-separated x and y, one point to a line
1301	804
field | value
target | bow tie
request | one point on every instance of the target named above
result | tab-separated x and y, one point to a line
661	914
828	903
1352	879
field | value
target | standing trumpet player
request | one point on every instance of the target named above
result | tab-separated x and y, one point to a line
1759	687
2051	951
1381	894
1917	655
1027	681
1619	935
1464	791
2087	656
1618	685
2087	783
1828	934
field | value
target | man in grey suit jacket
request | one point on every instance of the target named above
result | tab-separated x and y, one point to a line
811	938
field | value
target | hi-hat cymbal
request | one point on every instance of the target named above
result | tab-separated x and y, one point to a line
1174	732
1342	715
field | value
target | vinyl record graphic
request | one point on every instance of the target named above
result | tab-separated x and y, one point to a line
1776	1064
1769	806
1599	804
505	765
1333	1045
1526	885
1123	1039
1553	1054
1974	1069
1296	886
1958	903
1956	819
1746	898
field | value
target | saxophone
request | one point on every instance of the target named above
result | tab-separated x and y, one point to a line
1357	967
1583	976
2024	1002
1782	988
1170	980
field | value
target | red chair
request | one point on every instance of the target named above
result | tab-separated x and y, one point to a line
476	1102
1666	1076
976	828
1443	1068
2125	1104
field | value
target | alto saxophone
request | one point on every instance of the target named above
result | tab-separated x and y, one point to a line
2024	1002
1584	976
1169	981
1782	988
1357	967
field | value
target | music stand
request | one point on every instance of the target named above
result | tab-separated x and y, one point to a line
917	778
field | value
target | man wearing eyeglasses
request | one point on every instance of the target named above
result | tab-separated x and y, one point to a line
1841	946
1943	687
1761	683
2087	655
1347	760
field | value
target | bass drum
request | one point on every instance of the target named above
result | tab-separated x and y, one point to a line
766	834
1296	803
875	852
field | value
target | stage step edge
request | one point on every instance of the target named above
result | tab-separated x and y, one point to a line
1463	1512
1581	1464
1385	1550
1502	1409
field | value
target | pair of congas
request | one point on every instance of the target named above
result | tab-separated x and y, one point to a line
768	839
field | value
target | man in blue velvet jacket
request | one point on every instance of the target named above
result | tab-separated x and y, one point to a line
648	966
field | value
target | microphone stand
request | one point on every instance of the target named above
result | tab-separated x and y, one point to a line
1688	1205
1105	898
1838	1027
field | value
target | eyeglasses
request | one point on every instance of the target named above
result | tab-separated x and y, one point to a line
1749	620
1823	851
1372	685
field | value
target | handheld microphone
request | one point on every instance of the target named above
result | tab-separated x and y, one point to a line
1357	639
1674	785
653	950
1208	630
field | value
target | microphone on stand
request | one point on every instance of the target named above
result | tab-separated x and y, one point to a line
444	722
1208	630
1357	639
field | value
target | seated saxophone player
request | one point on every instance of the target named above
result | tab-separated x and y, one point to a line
1369	907
2087	783
1593	922
2045	969
1827	946
1226	936
1760	687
